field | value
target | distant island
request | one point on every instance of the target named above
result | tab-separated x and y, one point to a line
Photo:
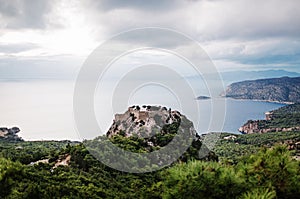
283	90
202	97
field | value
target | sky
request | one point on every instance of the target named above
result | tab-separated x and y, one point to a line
51	39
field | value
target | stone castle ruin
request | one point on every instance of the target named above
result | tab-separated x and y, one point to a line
143	120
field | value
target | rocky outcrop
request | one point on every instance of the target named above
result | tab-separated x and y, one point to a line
63	160
154	127
10	134
250	127
283	89
144	121
253	126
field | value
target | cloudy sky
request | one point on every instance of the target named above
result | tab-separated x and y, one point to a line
53	38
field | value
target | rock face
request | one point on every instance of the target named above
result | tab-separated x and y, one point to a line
283	89
10	134
253	126
144	121
64	160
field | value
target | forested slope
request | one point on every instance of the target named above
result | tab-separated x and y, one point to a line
256	172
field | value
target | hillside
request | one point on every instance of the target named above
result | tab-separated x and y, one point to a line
284	89
286	118
148	129
232	147
242	166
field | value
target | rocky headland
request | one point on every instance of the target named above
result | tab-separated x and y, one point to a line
284	119
283	90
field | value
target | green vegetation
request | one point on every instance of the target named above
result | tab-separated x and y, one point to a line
27	152
267	173
243	145
250	166
290	109
100	147
284	117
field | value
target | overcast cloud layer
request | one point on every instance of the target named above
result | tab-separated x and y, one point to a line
52	38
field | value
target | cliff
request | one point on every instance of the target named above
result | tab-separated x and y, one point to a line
284	89
254	126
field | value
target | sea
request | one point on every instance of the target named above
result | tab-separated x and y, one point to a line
43	109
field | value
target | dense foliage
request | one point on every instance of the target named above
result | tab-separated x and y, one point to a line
242	145
264	171
27	152
269	172
284	117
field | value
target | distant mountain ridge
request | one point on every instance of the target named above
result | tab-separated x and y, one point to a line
284	89
237	76
229	77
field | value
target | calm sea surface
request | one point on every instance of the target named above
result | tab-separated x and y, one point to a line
43	110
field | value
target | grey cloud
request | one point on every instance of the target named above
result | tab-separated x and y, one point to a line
155	38
153	6
19	14
215	21
8	8
204	20
250	19
284	51
135	16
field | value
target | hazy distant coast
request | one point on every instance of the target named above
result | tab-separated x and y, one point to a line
283	90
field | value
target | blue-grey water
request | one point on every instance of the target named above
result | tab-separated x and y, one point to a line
43	110
240	111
